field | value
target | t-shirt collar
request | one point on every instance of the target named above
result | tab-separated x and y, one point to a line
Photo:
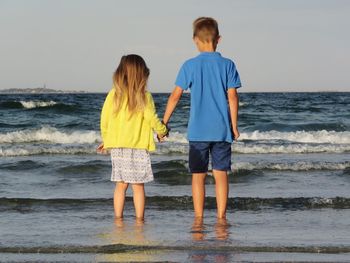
209	53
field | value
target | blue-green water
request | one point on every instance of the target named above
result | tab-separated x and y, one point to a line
289	189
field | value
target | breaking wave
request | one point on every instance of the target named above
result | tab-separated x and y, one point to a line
50	140
50	134
180	202
37	104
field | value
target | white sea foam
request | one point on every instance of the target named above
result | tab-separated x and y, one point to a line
296	166
22	149
32	150
262	148
319	142
51	135
289	148
176	143
36	104
177	137
322	136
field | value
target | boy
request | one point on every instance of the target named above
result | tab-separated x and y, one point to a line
212	126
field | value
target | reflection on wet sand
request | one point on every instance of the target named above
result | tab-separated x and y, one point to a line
222	229
136	233
199	232
128	233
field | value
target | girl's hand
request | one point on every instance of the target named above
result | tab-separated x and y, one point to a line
100	149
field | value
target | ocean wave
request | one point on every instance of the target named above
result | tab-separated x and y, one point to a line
245	148
295	166
22	165
179	166
42	149
50	134
26	150
191	249
50	140
37	104
321	136
181	202
31	104
289	148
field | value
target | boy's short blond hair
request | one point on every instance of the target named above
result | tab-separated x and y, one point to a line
206	29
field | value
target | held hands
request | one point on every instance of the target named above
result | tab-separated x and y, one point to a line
161	138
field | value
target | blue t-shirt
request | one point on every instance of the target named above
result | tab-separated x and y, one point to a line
209	76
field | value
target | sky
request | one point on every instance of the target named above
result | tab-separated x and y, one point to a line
294	45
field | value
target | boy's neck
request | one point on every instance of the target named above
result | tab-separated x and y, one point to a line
206	47
207	50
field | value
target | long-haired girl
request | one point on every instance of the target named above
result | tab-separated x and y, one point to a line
128	120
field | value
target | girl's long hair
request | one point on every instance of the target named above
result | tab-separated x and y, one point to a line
130	80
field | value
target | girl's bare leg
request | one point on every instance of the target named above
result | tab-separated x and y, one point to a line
198	193
139	200
119	198
221	189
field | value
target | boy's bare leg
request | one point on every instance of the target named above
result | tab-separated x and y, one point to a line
221	189
198	193
119	198
139	200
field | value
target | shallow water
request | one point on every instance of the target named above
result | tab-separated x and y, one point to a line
289	187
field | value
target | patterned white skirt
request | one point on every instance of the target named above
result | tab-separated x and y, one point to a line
131	165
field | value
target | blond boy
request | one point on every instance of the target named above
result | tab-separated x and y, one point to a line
213	81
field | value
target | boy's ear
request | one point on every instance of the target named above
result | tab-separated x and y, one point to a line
195	40
218	39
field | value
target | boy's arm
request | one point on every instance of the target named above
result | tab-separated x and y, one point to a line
233	104
174	98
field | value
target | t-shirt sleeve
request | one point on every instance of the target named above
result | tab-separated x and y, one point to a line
183	78
233	79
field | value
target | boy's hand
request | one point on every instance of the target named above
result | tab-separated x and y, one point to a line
236	134
100	149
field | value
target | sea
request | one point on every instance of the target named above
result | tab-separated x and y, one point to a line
289	197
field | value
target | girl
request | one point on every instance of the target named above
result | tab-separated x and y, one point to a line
128	119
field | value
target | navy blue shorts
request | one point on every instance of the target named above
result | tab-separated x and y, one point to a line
199	156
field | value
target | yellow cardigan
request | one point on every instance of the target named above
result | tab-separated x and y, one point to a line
122	131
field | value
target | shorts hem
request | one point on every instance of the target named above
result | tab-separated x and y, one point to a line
197	172
222	169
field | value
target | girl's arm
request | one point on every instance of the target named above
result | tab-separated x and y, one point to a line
151	116
172	102
105	115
